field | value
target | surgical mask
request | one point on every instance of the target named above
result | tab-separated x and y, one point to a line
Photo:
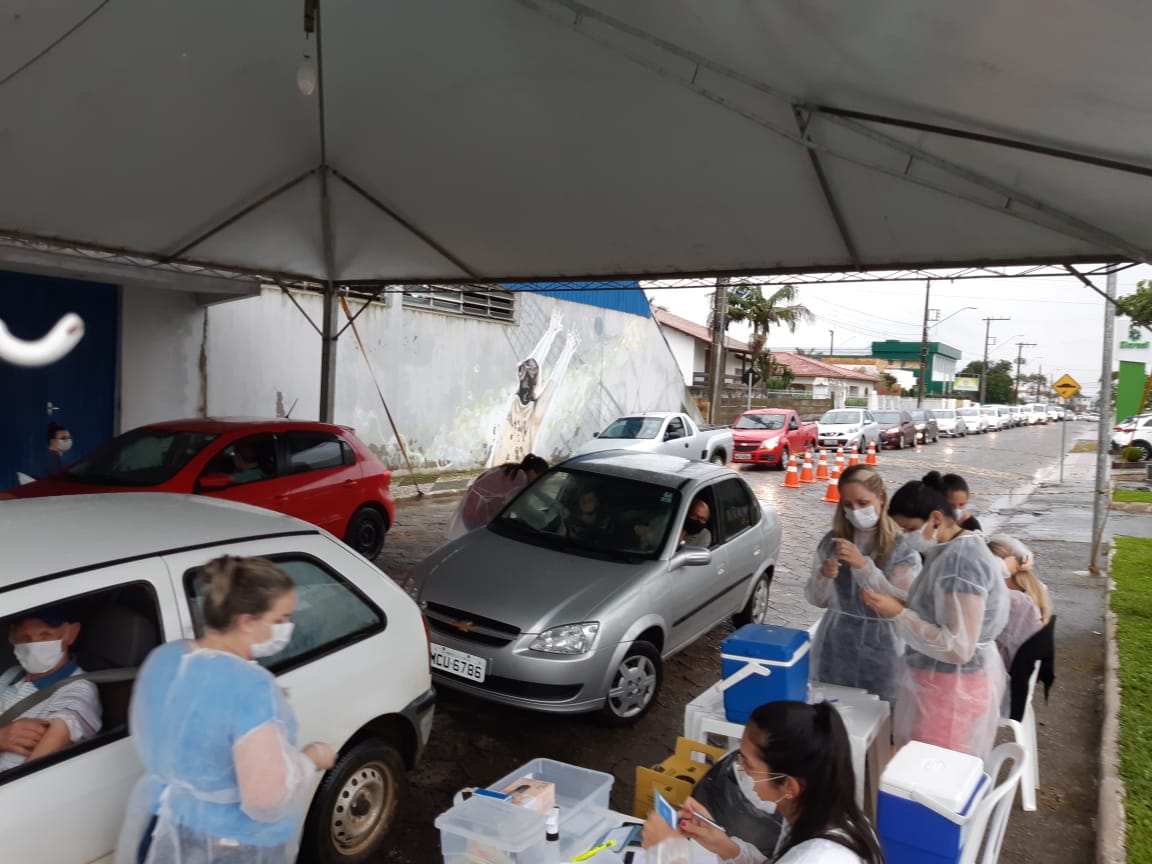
694	526
39	657
281	635
919	542
865	518
958	515
65	444
748	787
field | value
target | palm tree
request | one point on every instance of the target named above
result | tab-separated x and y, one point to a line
746	302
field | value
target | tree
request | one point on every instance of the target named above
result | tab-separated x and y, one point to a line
891	385
747	303
1138	305
999	384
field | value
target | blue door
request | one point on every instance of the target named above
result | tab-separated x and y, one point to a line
78	392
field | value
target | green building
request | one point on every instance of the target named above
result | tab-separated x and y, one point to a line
943	362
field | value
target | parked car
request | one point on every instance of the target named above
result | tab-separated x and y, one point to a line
1055	412
317	472
356	666
1133	432
897	429
950	423
1092	417
842	427
1037	413
768	436
927	429
1003	416
572	598
663	432
1019	417
974	420
991	418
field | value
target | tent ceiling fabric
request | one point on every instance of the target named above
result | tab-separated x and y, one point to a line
522	139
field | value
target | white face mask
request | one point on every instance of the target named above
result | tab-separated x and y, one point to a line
748	787
281	636
64	445
865	518
39	657
916	539
958	515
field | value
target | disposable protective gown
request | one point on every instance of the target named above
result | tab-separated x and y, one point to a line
854	646
485	499
954	680
223	782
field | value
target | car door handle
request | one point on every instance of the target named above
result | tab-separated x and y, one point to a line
756	551
720	572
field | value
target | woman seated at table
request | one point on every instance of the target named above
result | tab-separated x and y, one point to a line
795	760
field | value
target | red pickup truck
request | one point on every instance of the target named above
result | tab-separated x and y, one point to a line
768	436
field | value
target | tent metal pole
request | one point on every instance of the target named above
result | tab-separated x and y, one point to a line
1103	496
802	121
330	335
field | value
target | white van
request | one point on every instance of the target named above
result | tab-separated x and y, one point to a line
1037	413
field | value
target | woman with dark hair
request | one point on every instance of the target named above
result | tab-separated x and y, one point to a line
956	489
854	646
490	491
794	760
954	679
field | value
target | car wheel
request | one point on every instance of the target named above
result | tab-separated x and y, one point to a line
635	683
783	463
1145	449
355	805
718	458
900	441
756	610
366	530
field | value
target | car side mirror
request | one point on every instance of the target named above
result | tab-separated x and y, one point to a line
691	556
595	434
669	436
214	481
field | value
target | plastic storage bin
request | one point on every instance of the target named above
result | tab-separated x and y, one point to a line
762	663
494	828
926	795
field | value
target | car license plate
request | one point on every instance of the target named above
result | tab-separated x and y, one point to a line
829	442
742	457
459	663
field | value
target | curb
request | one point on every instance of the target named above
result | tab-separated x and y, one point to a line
1110	815
1131	506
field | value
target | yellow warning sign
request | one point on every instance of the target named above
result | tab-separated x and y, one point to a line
1066	386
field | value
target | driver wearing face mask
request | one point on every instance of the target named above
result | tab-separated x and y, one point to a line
695	531
41	641
59	443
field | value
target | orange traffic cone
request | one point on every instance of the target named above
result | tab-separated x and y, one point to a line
822	466
806	474
832	493
870	459
791	479
838	465
853	456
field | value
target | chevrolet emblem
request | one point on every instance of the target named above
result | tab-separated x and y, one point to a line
464	625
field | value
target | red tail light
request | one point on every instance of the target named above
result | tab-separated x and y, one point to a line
427	636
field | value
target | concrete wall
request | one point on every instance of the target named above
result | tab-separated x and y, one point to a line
451	382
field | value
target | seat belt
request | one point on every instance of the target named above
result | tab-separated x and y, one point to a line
104	676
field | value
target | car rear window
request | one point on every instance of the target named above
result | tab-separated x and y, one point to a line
759	421
142	457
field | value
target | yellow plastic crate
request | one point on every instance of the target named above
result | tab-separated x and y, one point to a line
675	777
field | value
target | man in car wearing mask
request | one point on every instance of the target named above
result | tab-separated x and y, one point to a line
695	531
59	443
42	640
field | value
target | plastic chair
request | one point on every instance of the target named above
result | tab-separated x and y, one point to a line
989	820
1024	731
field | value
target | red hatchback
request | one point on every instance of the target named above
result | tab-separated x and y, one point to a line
317	472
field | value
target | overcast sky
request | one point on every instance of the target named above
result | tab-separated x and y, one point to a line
1061	315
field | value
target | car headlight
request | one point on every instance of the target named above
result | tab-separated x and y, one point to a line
770	444
851	431
567	639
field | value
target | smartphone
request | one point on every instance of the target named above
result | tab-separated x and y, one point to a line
665	810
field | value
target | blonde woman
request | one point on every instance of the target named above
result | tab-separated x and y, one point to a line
854	646
1031	607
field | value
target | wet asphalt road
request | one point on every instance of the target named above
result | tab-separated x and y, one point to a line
474	742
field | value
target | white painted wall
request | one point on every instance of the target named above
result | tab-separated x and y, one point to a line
449	381
686	351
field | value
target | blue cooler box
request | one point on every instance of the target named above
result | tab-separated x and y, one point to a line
761	663
926	796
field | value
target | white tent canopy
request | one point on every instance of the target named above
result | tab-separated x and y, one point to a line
521	139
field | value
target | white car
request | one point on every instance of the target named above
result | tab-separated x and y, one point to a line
1003	416
1055	412
1037	413
356	670
663	432
842	427
1133	432
1019	418
974	419
950	423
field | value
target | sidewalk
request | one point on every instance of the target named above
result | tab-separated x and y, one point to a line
1056	522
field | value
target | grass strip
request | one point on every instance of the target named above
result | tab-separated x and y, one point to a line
1132	603
1132	496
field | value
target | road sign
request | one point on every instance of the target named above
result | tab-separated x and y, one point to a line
1066	386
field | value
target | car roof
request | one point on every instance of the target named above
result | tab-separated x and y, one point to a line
236	424
769	411
52	536
647	467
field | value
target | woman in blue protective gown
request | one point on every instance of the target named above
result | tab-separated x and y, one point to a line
224	782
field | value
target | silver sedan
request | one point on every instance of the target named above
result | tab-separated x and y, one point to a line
572	597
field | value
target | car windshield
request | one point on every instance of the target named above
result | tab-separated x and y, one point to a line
142	457
759	421
969	412
633	427
592	514
918	416
947	414
841	417
886	416
991	411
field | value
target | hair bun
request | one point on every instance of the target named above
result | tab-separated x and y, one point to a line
933	479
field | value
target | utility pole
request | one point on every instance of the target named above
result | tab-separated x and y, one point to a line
831	342
719	319
1019	366
984	370
924	350
1103	494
